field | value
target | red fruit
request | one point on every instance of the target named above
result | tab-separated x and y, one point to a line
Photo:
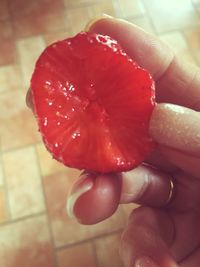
93	104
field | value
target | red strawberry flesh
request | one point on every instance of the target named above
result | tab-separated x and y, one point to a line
93	104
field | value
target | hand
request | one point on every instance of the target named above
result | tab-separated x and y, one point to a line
157	234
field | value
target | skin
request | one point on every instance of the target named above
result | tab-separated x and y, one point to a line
158	233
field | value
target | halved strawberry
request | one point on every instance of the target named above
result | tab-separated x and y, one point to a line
93	104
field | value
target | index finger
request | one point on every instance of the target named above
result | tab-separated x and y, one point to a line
103	193
177	82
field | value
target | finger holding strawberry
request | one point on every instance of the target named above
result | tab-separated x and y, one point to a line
111	125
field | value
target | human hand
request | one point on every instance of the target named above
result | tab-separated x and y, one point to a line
160	232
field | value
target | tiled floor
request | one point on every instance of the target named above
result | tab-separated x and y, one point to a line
34	228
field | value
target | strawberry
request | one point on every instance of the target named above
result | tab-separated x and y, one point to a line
93	104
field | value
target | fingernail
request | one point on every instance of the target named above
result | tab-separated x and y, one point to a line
145	262
177	127
29	99
92	21
84	186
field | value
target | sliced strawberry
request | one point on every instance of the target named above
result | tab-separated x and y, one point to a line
93	104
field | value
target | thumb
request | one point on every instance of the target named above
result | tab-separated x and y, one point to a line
176	127
146	239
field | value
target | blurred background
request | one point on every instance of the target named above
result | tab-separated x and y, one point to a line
34	228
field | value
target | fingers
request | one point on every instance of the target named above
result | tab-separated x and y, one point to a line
94	198
29	101
186	238
145	185
187	163
180	85
178	82
144	48
176	127
104	193
146	239
159	234
156	158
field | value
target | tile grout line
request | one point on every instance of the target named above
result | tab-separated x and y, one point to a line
52	172
189	47
18	61
45	201
195	8
190	27
19	58
9	15
135	17
14	39
5	185
194	27
16	220
115	5
87	4
19	147
149	18
29	146
138	16
62	247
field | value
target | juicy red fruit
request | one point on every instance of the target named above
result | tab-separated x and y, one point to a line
93	104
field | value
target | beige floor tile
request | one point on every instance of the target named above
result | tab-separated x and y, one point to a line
8	53
198	9
36	17
178	44
188	56
193	38
1	175
10	78
31	24
6	30
26	244
80	3
175	40
197	5
67	230
143	22
196	2
4	12
18	126
130	8
128	208
172	14
197	57
29	49
57	36
3	207
19	8
78	256
23	182
107	250
48	165
72	18
104	7
7	46
86	13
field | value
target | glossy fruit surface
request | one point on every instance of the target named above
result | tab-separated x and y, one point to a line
93	104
